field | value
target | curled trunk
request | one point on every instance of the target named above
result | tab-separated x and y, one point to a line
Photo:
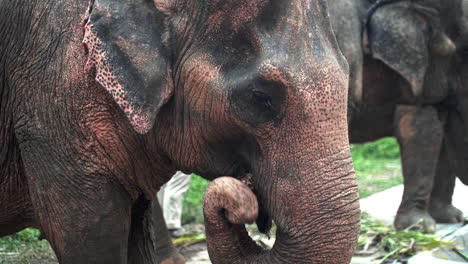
326	237
228	205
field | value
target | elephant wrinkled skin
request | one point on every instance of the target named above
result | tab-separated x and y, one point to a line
102	101
408	78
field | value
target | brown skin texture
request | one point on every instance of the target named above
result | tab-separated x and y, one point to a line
407	80
102	102
65	146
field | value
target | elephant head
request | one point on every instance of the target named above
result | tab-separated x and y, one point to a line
244	87
417	39
426	41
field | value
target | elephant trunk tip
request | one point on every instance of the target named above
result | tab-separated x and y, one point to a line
232	196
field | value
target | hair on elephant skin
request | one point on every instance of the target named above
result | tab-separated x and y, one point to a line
102	101
408	66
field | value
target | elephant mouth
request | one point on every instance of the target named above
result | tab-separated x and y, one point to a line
246	178
264	221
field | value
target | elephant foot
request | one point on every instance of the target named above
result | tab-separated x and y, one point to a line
176	259
412	218
446	213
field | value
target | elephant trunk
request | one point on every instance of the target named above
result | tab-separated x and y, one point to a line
228	205
317	217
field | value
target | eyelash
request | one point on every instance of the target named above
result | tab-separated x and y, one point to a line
262	98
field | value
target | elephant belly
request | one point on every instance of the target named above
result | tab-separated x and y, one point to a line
371	124
382	91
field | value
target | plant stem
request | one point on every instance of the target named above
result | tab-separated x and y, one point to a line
389	255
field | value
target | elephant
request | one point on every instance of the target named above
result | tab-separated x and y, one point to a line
408	79
102	101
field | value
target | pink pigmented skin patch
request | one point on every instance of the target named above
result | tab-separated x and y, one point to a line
98	60
246	12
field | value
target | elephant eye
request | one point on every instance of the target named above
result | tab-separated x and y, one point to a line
261	98
259	102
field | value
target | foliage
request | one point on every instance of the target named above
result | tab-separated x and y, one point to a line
19	239
192	210
189	239
399	243
24	248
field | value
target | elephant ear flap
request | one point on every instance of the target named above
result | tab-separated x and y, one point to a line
124	42
399	38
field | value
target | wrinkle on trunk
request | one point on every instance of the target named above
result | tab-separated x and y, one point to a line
313	232
228	205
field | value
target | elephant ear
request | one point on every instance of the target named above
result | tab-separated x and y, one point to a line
124	41
400	38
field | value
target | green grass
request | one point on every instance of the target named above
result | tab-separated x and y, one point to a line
377	165
19	239
24	247
383	149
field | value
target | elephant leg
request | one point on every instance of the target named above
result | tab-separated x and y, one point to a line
419	132
440	207
149	241
85	230
82	211
16	212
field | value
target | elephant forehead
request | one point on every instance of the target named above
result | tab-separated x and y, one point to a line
200	69
326	75
237	13
274	73
228	17
202	82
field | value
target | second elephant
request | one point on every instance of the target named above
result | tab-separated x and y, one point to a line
407	60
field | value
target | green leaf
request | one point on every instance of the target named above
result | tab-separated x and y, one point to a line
398	243
189	239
